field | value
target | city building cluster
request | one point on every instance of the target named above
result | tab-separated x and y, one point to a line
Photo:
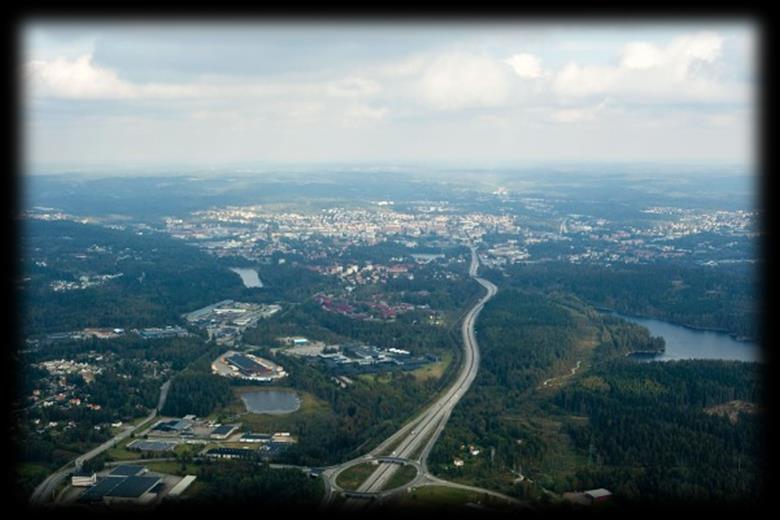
225	321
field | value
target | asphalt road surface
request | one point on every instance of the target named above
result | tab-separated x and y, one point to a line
425	429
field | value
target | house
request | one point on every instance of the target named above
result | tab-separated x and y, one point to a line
598	495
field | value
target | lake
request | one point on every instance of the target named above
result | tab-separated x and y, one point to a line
685	343
272	402
248	276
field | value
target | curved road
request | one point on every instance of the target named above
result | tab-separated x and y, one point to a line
424	430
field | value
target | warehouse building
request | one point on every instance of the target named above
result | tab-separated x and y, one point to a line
154	446
255	437
224	431
123	489
231	453
83	479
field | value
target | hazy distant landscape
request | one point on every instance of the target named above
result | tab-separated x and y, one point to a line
506	268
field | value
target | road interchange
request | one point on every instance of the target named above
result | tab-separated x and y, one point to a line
415	440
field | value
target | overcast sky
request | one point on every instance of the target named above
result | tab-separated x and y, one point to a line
388	94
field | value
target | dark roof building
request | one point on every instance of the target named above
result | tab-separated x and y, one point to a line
133	487
99	490
122	488
223	431
247	365
127	470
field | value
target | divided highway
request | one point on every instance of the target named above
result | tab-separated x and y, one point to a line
418	437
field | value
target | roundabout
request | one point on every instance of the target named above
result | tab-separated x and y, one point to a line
348	478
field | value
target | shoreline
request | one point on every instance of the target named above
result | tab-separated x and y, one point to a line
733	335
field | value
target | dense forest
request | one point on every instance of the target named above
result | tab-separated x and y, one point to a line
720	298
521	336
641	430
196	393
161	278
244	484
650	439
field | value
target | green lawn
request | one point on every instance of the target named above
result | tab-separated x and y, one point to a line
403	475
446	498
173	468
434	370
351	478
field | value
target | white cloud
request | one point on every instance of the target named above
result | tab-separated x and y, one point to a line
460	80
687	69
77	78
357	113
80	78
353	87
410	66
576	115
525	65
367	112
641	55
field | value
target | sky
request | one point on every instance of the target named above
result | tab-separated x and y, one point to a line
387	93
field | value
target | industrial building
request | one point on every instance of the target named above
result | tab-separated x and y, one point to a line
224	431
171	427
231	453
149	445
117	488
246	366
255	437
83	479
182	485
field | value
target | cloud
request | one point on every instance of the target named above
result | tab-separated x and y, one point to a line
80	78
687	69
525	65
359	115
353	87
576	115
460	80
77	78
367	112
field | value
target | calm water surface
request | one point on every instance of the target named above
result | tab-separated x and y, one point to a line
685	343
273	402
248	276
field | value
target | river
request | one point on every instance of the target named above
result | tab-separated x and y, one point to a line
685	343
248	276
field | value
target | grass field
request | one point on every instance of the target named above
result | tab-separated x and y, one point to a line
434	370
351	478
403	475
172	468
120	452
441	498
438	497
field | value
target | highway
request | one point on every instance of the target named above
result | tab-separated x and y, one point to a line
411	444
416	439
45	490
